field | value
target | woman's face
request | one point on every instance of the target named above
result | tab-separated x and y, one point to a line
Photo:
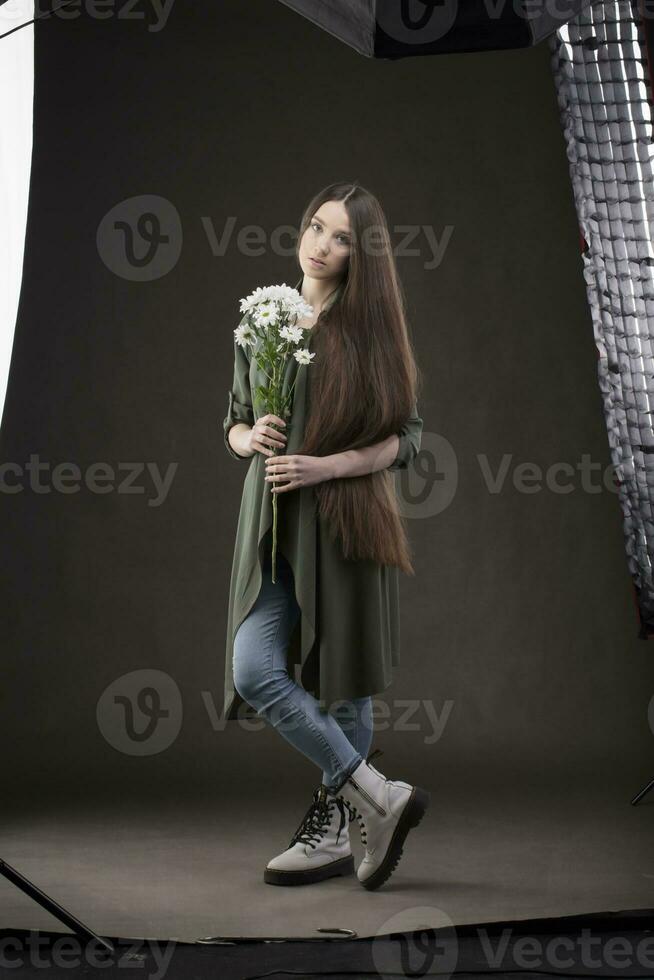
327	239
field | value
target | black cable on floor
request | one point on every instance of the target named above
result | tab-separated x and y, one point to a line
444	973
47	13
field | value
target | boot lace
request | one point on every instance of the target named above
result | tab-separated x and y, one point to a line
318	817
354	814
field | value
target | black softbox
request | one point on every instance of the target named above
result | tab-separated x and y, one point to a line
406	28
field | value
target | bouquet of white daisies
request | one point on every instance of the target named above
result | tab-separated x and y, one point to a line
270	329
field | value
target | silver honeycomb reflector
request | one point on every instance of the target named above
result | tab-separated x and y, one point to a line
600	67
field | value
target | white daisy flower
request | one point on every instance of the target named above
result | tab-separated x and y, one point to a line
292	333
251	301
266	314
244	334
303	355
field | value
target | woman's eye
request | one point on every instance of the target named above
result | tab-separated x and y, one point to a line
318	227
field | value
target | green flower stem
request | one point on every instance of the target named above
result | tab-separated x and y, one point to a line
274	530
276	387
272	356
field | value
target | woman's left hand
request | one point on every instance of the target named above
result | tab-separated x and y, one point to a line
302	471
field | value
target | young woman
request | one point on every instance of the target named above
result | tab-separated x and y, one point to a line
333	611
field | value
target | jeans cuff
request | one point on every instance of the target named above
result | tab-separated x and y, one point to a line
343	776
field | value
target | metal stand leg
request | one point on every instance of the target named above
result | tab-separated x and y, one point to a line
642	793
49	904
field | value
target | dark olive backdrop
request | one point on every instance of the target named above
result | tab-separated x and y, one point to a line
519	629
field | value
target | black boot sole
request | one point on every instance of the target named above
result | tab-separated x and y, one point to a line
410	817
344	866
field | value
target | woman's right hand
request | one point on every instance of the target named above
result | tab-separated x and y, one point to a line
262	436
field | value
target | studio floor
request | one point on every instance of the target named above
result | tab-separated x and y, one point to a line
187	868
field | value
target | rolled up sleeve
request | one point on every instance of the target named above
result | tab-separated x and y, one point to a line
410	436
239	398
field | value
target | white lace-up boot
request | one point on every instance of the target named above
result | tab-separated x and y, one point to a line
319	848
386	810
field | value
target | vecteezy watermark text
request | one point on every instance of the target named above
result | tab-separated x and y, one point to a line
40	477
422	940
140	239
151	957
141	712
400	715
153	14
252	240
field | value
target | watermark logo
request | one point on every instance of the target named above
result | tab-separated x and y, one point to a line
417	21
415	942
428	485
141	712
140	238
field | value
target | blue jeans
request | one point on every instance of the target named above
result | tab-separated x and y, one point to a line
337	740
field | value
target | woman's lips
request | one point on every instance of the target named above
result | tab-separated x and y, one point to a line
316	261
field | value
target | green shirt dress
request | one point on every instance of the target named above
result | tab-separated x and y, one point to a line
347	639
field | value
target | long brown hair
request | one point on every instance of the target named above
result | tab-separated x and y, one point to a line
364	382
